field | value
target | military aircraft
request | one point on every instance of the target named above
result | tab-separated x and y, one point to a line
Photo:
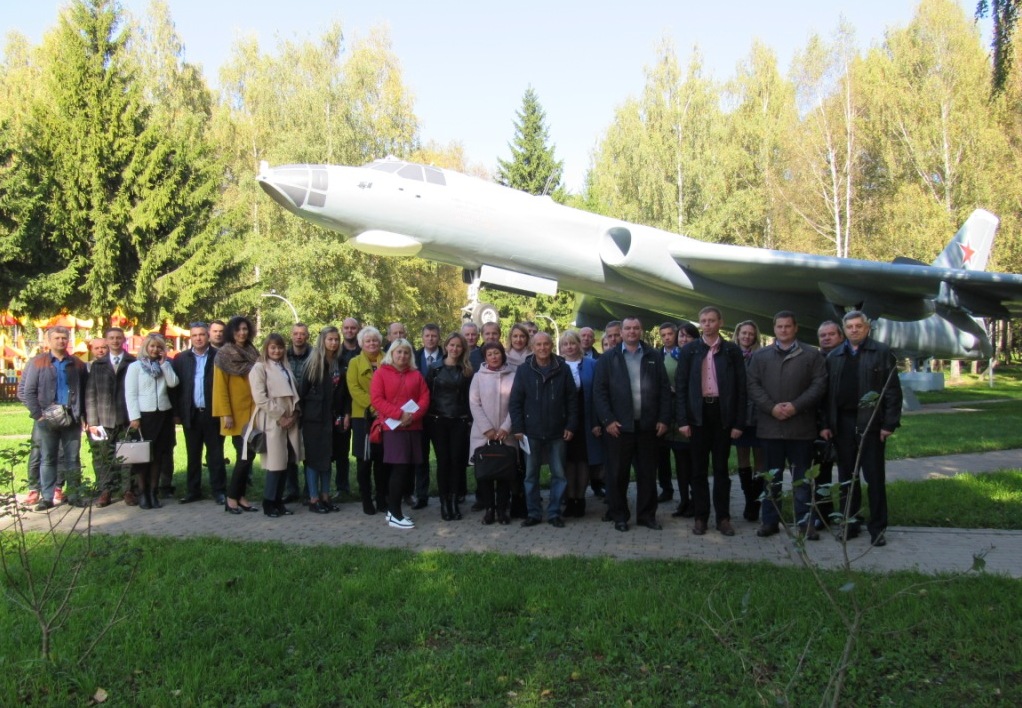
510	240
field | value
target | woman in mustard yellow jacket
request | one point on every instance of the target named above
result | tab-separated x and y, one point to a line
369	456
233	404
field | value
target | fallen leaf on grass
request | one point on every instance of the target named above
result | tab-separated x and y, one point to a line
100	696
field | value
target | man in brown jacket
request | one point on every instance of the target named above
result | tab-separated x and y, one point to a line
787	381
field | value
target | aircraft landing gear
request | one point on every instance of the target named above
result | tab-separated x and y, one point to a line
478	312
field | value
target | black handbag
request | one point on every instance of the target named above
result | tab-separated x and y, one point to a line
495	462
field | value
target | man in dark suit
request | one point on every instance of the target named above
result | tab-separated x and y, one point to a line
710	391
193	408
632	401
342	425
107	414
426	358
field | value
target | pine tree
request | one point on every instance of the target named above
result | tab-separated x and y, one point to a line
532	167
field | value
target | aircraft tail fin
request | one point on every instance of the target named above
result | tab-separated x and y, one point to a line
971	246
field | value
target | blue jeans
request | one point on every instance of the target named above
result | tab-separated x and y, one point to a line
779	454
555	450
317	482
67	441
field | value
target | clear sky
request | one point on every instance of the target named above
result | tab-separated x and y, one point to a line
468	64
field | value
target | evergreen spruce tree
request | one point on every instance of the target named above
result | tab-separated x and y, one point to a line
532	167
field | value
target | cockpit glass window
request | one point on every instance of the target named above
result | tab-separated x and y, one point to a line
435	176
411	172
385	166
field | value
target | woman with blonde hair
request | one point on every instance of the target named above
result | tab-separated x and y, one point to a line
317	390
750	462
585	449
275	395
398	393
146	385
518	344
449	419
232	403
369	456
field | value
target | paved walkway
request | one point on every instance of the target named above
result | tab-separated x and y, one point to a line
928	550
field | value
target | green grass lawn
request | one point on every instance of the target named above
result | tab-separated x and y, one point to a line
244	624
971	387
984	501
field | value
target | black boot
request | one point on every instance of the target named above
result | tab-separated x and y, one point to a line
752	487
270	508
455	511
445	507
144	498
580	508
154	490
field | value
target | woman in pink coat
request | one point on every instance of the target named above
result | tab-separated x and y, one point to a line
399	393
488	399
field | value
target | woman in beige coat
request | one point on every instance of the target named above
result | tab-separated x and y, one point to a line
275	394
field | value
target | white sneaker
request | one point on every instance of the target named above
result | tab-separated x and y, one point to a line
391	516
404	523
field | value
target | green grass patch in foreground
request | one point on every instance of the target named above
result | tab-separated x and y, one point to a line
992	426
211	622
991	500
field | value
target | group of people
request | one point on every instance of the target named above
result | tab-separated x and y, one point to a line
591	418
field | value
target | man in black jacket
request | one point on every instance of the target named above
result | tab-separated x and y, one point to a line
631	398
859	366
193	407
711	402
544	408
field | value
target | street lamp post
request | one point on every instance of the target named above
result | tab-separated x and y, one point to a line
273	293
557	332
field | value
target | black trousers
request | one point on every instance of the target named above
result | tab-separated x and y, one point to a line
450	440
241	471
640	448
204	432
398	475
494	495
711	438
873	467
342	458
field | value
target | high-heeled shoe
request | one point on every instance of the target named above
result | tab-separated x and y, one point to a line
231	509
247	508
283	510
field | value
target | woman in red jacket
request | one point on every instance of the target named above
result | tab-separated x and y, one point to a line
400	396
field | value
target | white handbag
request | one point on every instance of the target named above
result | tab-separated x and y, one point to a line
133	452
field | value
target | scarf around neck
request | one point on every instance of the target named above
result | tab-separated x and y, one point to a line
235	360
151	367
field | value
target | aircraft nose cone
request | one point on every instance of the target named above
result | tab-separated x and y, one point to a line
294	186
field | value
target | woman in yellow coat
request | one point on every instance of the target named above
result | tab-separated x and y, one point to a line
275	393
233	405
369	457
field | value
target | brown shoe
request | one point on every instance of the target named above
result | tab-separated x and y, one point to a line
104	499
130	499
725	527
699	527
809	532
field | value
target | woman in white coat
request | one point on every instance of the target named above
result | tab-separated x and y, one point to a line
146	392
275	394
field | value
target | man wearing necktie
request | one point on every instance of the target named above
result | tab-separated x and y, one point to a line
425	359
107	414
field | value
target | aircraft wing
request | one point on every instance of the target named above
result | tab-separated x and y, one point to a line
897	288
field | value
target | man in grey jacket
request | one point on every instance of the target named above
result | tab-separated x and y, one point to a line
56	377
786	382
107	414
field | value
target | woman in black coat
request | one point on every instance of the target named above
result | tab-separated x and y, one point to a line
449	420
319	381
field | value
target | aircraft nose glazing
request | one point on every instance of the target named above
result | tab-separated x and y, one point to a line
295	186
